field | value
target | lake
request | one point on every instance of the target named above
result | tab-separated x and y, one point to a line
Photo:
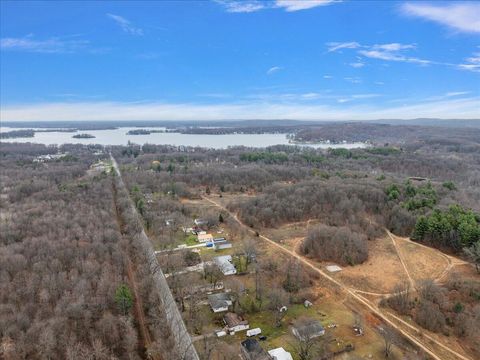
119	137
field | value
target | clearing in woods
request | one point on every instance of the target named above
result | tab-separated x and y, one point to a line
437	346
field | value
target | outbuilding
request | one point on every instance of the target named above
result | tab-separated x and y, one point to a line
235	322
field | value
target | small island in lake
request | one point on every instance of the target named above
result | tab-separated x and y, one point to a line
143	132
17	134
83	136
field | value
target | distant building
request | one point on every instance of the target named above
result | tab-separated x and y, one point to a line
225	264
251	350
203	238
219	302
223	246
221	243
280	354
235	322
309	330
200	222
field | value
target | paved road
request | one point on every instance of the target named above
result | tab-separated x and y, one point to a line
372	307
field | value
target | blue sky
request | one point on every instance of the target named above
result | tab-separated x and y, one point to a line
294	59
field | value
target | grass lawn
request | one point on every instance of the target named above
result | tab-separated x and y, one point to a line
191	240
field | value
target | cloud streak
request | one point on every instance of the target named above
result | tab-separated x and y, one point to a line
399	53
53	45
297	5
125	25
250	6
462	17
450	108
273	70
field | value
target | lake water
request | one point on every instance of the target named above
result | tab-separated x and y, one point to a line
119	137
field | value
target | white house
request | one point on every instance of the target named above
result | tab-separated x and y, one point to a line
219	302
280	354
200	222
225	264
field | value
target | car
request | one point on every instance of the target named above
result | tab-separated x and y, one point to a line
262	338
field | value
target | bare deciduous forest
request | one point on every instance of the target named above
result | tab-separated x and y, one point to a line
75	278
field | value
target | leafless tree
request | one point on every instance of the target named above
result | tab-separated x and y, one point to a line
390	338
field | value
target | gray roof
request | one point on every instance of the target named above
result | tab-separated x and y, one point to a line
309	330
254	350
219	300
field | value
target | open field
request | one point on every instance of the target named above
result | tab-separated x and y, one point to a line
329	307
437	345
379	273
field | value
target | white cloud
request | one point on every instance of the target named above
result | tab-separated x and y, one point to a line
393	46
49	46
296	5
399	53
125	24
353	80
387	52
456	93
471	63
327	76
357	64
250	6
392	56
242	6
335	46
274	69
357	97
450	108
463	17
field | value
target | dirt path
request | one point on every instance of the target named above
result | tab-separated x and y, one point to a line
386	317
451	261
145	338
144	333
400	257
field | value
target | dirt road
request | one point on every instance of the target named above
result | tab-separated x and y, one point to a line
398	324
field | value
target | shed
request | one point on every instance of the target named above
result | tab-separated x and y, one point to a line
235	322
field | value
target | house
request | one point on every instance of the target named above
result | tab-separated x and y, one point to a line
219	302
204	238
200	222
235	322
280	354
308	330
225	264
251	350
